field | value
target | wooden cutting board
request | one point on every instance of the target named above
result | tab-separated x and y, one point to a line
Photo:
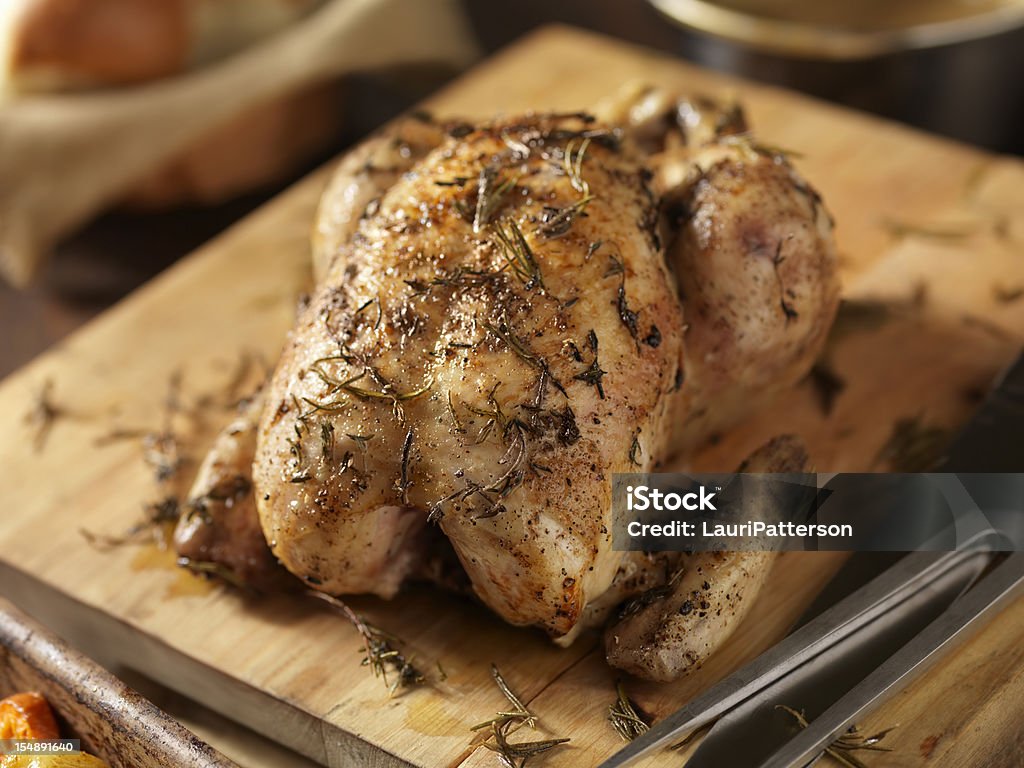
931	228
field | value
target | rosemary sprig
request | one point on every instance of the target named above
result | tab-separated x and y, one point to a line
572	163
516	755
378	647
624	716
495	416
842	748
518	712
489	196
405	481
349	387
555	222
517	254
503	724
504	332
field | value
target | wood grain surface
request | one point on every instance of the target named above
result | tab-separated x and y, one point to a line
931	229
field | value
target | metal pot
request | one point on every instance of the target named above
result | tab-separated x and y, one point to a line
951	66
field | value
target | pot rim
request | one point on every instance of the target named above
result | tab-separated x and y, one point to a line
819	42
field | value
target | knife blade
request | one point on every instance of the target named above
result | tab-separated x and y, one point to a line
753	731
954	627
875	599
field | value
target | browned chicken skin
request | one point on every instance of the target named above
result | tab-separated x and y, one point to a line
494	328
219	526
498	329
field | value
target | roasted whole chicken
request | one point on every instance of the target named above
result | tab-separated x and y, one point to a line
506	315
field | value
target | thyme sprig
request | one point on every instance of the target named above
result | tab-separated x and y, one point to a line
842	748
161	453
379	647
624	716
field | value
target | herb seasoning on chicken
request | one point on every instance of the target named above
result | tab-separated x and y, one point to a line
509	313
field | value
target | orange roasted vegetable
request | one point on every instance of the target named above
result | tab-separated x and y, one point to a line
27	716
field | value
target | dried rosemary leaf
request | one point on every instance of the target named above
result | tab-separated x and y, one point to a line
518	711
379	647
624	716
556	222
490	195
503	724
516	754
842	748
635	450
517	254
572	164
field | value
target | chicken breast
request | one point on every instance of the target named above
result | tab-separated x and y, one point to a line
500	335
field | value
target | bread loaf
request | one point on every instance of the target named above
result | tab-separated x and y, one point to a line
52	46
61	46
